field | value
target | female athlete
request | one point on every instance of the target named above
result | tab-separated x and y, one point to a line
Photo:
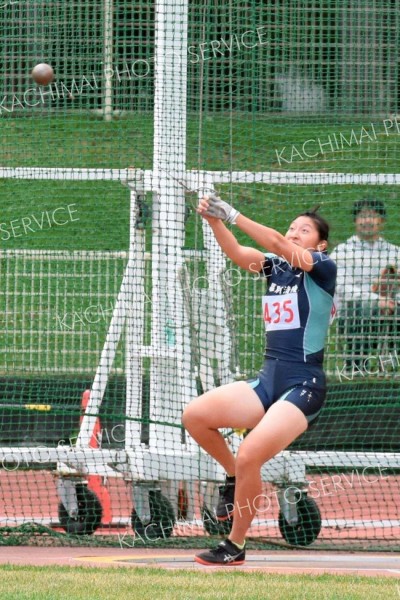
290	389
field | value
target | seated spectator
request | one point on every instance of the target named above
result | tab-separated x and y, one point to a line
367	287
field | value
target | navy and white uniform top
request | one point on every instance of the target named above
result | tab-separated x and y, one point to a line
297	308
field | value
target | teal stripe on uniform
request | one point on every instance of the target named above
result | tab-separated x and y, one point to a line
311	418
253	384
320	304
286	394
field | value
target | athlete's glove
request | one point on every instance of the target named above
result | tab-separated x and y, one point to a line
219	209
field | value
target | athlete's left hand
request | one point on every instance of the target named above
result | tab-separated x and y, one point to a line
213	206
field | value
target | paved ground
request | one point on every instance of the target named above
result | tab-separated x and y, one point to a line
384	564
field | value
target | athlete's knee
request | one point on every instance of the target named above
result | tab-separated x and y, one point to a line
193	415
247	459
187	417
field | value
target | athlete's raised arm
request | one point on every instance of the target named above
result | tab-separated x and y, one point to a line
302	238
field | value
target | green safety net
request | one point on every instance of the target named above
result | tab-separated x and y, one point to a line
116	306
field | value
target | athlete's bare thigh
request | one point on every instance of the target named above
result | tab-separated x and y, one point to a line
232	405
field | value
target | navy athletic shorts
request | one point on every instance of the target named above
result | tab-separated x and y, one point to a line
301	384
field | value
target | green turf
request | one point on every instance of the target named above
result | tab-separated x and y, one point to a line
237	141
97	217
245	143
86	583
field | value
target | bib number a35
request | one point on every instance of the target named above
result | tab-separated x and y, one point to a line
281	312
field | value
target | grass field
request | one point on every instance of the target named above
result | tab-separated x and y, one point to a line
59	583
239	141
260	143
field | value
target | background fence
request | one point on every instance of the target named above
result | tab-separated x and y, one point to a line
285	105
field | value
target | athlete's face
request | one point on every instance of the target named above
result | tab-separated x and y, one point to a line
303	232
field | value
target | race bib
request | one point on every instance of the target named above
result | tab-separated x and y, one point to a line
281	312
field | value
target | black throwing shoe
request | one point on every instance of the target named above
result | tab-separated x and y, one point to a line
225	554
226	504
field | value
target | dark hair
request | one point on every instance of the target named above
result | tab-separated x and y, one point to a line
320	223
369	204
